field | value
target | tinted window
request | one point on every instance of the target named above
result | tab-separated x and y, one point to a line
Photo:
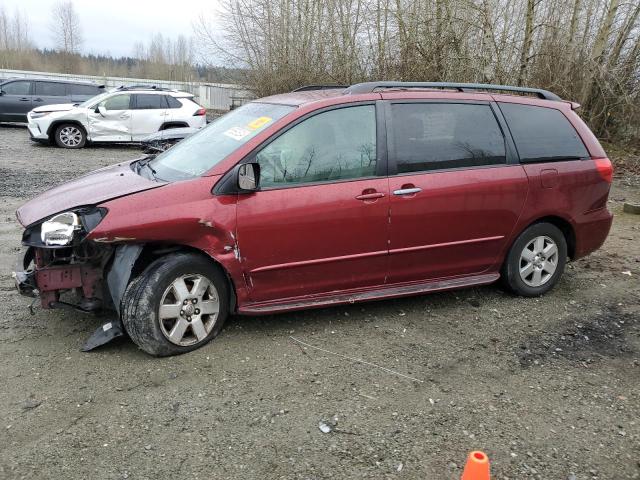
542	134
17	88
53	89
149	102
431	136
173	102
86	90
334	145
119	102
204	149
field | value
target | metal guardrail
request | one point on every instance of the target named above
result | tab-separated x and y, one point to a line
217	96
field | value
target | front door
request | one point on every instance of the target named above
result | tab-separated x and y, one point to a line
319	222
15	101
454	198
148	114
112	121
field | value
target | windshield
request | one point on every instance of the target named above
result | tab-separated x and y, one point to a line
203	150
94	100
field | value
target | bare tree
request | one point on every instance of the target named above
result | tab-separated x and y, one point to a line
66	32
586	50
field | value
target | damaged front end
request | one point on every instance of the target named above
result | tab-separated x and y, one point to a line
66	270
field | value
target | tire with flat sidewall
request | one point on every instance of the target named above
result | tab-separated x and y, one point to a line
59	128
510	270
139	308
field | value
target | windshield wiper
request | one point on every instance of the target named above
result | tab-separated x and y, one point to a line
145	162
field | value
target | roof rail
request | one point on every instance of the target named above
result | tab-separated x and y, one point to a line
307	88
370	87
144	87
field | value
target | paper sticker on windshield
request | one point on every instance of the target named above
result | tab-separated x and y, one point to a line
237	133
259	122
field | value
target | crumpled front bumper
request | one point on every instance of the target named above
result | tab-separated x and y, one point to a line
34	278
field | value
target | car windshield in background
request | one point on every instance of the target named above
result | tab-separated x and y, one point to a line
202	151
94	100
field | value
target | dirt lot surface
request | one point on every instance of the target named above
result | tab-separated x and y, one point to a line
548	387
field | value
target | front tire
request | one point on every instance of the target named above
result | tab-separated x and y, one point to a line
536	260
70	135
179	303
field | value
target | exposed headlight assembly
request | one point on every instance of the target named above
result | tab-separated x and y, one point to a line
59	230
64	229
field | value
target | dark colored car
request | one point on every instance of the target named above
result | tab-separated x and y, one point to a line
19	96
319	198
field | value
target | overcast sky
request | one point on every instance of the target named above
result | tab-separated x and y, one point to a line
113	26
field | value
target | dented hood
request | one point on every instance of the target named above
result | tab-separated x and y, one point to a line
91	189
62	107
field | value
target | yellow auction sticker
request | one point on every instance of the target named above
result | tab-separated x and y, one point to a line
259	122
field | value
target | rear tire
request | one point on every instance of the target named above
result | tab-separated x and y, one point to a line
178	304
535	261
70	135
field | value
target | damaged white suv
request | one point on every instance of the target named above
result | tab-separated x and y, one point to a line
126	114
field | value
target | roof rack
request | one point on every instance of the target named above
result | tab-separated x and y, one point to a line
307	88
370	87
144	87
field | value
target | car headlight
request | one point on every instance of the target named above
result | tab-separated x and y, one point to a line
59	230
39	114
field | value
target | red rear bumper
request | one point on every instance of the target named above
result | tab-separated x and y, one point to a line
591	234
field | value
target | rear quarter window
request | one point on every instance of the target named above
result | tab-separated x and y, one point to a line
173	102
84	90
542	134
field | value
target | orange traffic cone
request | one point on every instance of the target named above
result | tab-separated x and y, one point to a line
477	467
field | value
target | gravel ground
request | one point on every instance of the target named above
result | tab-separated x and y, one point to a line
548	387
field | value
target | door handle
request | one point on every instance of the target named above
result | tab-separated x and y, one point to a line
124	115
23	99
38	100
407	191
370	196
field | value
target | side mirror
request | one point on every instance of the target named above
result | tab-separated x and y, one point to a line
249	177
1	92
100	109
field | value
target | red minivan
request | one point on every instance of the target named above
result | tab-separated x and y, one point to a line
320	197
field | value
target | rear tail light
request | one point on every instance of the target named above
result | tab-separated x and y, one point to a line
605	169
200	112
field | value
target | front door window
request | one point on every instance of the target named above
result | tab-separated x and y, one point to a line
335	145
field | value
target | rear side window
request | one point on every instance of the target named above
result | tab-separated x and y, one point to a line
17	88
542	134
149	102
173	102
335	145
431	136
52	89
85	90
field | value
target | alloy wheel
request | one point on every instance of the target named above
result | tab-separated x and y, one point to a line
188	310
538	261
70	136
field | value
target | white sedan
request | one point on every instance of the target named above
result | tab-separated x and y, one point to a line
127	114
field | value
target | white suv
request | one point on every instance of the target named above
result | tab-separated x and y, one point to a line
127	114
